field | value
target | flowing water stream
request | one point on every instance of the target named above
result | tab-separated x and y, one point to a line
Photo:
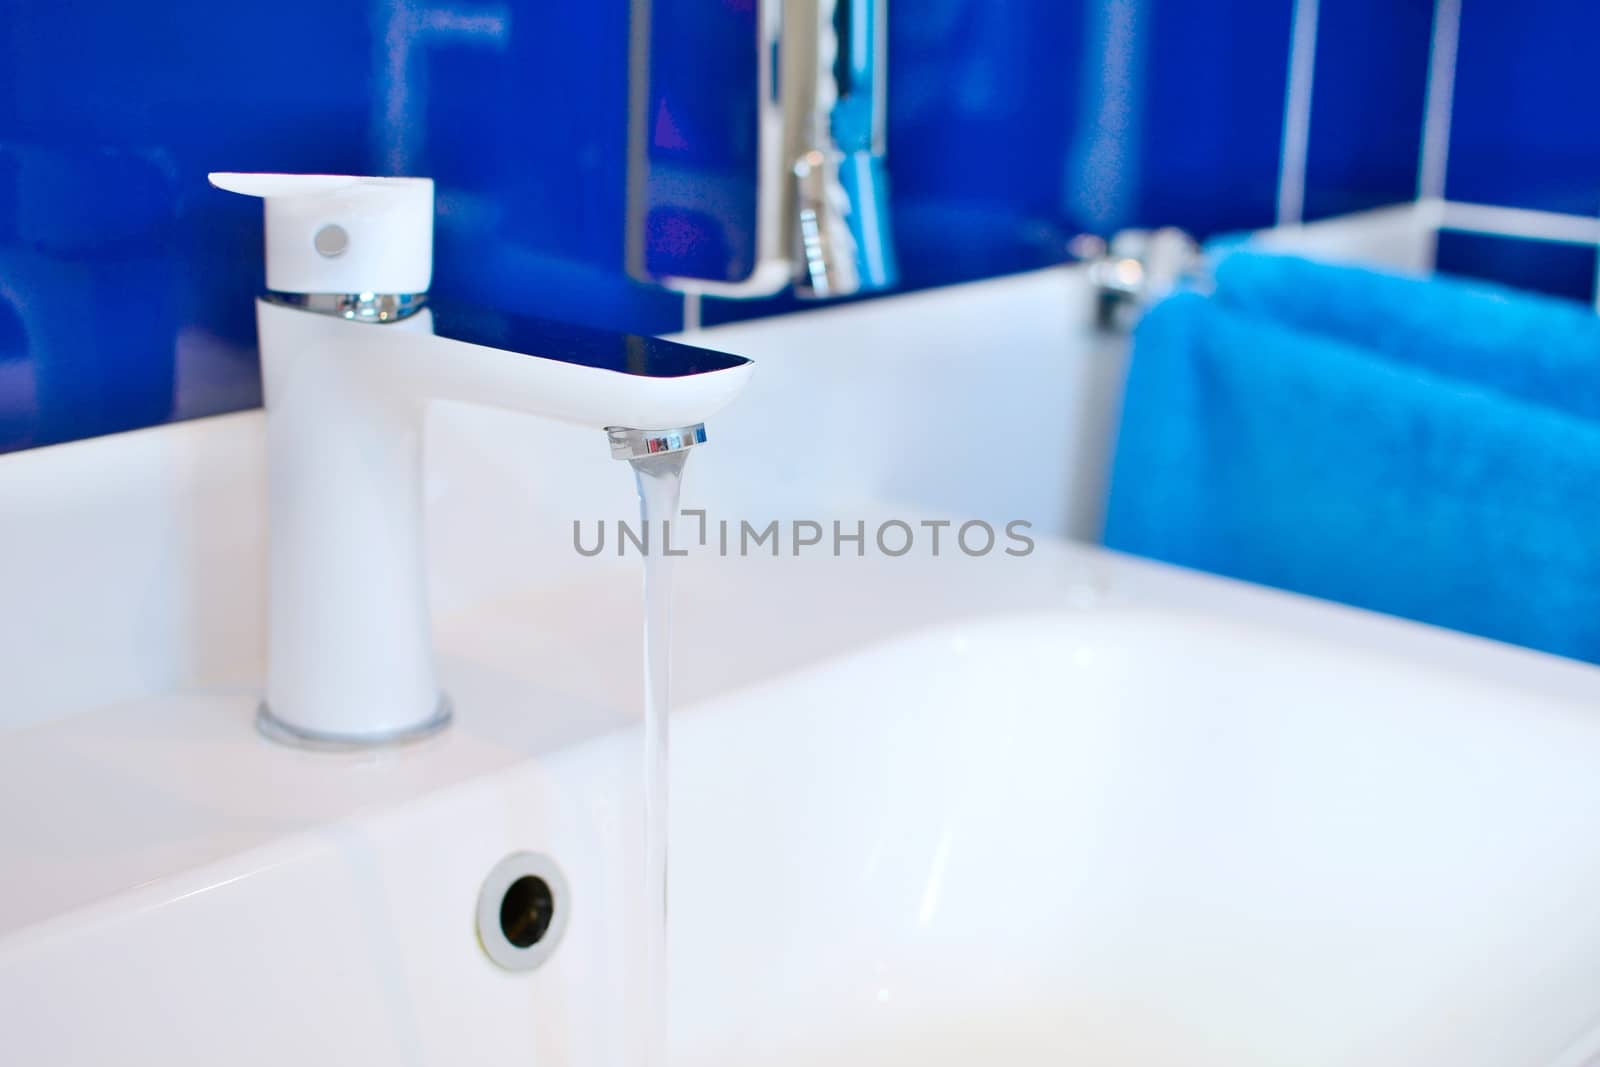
659	478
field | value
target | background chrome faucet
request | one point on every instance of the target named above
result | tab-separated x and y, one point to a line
821	205
352	352
833	90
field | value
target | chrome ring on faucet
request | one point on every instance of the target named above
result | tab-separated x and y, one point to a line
273	728
357	307
628	443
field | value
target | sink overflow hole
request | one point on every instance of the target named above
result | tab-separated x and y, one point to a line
523	908
526	911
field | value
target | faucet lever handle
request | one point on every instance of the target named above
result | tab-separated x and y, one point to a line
343	234
268	185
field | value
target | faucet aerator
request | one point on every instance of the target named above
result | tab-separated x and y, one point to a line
631	444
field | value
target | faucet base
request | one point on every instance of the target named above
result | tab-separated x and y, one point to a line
275	729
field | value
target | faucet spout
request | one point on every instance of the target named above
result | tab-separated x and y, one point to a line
350	648
577	374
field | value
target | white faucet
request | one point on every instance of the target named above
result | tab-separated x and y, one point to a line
351	355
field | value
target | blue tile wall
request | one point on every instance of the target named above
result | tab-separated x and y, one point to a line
126	282
981	99
1549	267
1367	104
1213	114
1525	130
1525	133
697	193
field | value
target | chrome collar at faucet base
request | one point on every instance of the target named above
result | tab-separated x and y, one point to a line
275	729
357	307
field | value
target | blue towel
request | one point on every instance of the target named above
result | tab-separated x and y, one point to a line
1427	449
1534	347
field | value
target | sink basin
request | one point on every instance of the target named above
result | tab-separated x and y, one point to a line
1068	820
1066	808
1137	837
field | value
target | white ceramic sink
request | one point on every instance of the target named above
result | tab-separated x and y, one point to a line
1064	809
1116	833
1135	837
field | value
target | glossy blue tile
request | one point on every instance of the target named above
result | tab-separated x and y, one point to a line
699	144
1367	104
1525	131
1216	75
1539	266
126	283
981	109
